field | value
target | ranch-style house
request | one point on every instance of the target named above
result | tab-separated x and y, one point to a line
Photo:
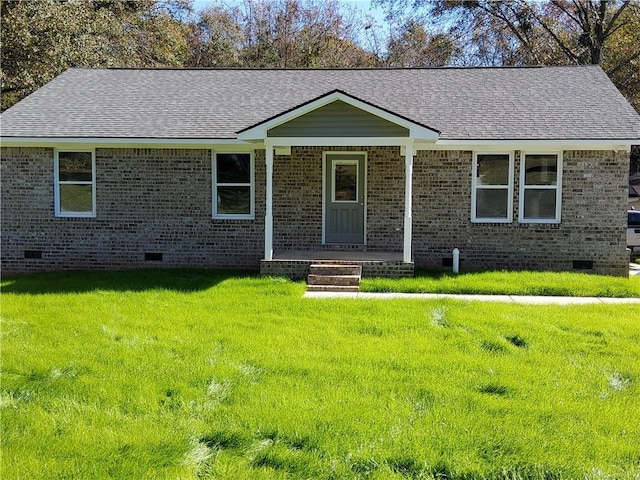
517	168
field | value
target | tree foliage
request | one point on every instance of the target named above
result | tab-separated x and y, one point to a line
549	32
413	46
278	33
41	39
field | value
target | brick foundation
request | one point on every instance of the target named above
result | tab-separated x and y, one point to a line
299	269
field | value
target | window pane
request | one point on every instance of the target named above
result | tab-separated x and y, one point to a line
493	170
74	166
234	200
233	167
540	203
76	198
541	170
346	183
492	203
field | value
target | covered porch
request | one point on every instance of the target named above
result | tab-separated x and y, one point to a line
338	186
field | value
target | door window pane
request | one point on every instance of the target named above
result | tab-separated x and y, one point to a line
345	183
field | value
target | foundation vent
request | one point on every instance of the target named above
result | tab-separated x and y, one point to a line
583	264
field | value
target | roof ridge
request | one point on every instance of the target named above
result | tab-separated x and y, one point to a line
312	69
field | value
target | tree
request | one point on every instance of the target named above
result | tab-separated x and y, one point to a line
622	57
414	47
42	39
551	32
277	33
216	39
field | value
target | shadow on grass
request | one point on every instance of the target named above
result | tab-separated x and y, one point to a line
178	279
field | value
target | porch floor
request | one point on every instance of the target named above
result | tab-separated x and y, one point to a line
352	256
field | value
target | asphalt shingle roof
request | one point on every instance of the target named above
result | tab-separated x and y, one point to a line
464	104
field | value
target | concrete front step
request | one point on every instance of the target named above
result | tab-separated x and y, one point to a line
332	288
332	277
335	269
342	280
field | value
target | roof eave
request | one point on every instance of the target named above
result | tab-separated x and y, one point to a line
617	144
118	142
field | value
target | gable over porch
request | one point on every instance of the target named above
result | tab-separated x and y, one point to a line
338	131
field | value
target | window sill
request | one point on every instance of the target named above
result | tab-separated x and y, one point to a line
234	217
491	220
75	215
539	222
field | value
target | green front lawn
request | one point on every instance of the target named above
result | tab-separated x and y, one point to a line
509	283
197	374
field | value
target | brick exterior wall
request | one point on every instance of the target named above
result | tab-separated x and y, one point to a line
593	217
159	200
148	201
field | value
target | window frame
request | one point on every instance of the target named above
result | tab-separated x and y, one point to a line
475	187
58	183
557	187
215	185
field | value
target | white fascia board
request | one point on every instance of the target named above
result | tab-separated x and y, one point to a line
536	145
337	141
69	142
259	132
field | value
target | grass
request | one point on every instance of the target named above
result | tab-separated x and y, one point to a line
197	374
510	283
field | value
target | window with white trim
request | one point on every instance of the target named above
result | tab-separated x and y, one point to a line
540	187
75	183
233	186
492	193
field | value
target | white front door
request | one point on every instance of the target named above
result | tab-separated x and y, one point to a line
344	197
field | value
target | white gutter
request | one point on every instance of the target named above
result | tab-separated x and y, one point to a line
207	143
524	144
98	142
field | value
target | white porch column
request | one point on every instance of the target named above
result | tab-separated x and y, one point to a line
268	217
408	187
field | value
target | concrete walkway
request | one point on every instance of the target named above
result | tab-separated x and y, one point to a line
634	269
522	299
